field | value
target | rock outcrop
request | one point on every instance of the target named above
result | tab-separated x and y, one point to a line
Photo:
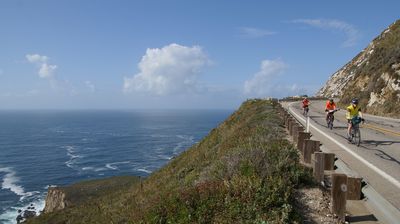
373	76
55	200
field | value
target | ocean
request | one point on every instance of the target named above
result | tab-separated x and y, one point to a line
39	149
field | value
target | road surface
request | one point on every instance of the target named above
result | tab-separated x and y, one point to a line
377	159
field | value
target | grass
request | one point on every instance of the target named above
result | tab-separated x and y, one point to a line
386	54
244	171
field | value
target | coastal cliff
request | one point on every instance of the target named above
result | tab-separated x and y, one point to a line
55	200
373	76
243	170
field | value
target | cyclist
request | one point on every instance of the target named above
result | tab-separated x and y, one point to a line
305	102
330	105
353	111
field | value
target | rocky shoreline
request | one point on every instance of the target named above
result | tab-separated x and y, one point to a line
25	214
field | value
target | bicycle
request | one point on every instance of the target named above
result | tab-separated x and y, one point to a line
329	121
305	111
355	134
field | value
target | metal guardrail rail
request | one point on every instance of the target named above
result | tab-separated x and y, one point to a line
384	211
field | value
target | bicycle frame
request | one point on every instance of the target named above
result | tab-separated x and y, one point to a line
330	118
305	110
355	133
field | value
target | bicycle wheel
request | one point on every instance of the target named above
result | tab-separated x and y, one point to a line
330	123
357	137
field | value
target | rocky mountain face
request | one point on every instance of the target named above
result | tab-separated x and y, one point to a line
373	76
55	200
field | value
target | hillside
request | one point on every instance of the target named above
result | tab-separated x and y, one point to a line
373	76
244	171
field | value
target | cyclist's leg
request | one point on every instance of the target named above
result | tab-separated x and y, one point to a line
349	129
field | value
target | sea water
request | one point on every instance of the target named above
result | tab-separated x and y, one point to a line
39	149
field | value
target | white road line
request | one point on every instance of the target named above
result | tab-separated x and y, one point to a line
370	165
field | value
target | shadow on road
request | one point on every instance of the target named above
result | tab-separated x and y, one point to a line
323	123
381	153
361	218
379	143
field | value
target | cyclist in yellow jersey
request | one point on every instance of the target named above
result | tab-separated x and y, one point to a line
353	111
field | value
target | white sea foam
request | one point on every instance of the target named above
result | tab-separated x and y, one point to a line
10	181
48	186
95	169
10	215
69	164
88	168
112	166
165	157
72	156
144	170
186	141
28	194
69	148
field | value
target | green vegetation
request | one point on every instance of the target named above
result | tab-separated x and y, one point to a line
386	54
244	171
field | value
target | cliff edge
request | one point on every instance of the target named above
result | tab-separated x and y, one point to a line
244	170
55	200
373	76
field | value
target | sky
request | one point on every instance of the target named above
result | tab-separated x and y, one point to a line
176	54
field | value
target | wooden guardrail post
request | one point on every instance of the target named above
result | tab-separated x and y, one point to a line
287	120
296	133
292	123
339	194
353	188
300	139
329	161
310	146
294	129
318	166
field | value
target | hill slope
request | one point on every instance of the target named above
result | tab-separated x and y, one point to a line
243	171
373	76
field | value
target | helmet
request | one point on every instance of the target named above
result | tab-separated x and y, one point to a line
354	101
331	100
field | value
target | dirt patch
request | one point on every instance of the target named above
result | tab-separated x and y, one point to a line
314	205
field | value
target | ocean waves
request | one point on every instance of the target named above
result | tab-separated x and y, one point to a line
10	181
32	200
65	147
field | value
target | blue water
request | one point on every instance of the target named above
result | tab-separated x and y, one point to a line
42	148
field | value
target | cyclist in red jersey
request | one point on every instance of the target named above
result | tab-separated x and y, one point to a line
330	105
306	103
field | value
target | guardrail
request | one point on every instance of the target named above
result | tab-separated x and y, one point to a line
343	185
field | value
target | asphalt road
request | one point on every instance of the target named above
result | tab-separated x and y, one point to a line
377	159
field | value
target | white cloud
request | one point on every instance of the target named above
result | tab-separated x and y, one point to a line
45	69
35	58
351	32
169	70
90	86
250	32
261	83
